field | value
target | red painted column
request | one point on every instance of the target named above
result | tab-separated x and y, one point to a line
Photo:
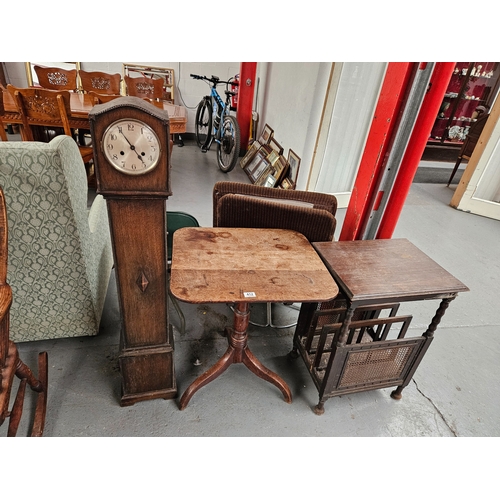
379	138
245	101
418	140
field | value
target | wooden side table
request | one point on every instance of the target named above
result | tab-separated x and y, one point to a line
358	343
244	265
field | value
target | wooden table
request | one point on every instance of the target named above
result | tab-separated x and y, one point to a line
81	104
373	276
239	265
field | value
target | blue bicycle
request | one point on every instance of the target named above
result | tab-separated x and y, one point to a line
215	123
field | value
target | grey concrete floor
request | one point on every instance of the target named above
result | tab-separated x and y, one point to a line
455	391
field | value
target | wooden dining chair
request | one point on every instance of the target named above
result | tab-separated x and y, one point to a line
177	220
49	108
3	134
102	98
56	78
102	83
10	363
149	88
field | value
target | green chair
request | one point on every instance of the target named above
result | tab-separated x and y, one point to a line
177	220
60	253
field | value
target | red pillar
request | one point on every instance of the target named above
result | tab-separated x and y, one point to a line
245	101
418	140
379	138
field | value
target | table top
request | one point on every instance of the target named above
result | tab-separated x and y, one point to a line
211	265
370	270
81	104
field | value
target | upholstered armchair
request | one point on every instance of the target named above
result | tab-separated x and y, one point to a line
60	254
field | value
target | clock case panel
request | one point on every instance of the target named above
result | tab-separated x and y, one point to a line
110	181
146	342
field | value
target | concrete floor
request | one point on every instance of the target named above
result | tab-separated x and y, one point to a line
455	391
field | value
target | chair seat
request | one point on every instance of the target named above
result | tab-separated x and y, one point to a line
87	153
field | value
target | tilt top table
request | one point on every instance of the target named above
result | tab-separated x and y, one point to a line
243	265
350	347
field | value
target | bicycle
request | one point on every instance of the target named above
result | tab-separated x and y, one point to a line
215	123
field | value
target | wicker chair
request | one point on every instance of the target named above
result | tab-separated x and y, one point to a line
245	205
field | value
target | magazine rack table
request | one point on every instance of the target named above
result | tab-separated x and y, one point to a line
358	342
243	265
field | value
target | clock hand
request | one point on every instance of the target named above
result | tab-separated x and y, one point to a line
132	147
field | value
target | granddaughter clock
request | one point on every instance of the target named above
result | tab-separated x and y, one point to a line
131	141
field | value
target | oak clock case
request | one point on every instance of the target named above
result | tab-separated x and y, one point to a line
131	139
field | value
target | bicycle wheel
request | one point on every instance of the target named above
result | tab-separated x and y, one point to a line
228	149
203	123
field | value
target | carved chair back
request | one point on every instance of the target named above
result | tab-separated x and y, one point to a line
49	107
56	78
102	83
149	88
102	98
3	135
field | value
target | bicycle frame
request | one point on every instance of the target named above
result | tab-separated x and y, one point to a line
219	110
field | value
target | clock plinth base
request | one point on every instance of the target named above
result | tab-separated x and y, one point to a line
147	373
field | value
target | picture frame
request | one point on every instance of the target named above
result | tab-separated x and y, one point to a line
260	169
281	167
253	164
268	170
287	183
270	181
266	135
273	157
252	150
275	146
294	162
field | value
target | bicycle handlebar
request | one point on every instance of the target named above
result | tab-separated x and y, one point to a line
214	79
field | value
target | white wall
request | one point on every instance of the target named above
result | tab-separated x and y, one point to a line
290	100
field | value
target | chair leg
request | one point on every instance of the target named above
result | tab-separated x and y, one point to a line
455	168
319	409
396	393
179	313
270	318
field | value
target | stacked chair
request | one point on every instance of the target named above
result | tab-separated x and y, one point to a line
245	205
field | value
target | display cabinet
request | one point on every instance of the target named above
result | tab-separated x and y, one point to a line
472	84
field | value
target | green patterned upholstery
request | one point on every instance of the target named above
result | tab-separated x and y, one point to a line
60	254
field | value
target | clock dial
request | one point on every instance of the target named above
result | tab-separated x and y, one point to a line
131	146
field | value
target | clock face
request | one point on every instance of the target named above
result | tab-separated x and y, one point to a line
131	146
